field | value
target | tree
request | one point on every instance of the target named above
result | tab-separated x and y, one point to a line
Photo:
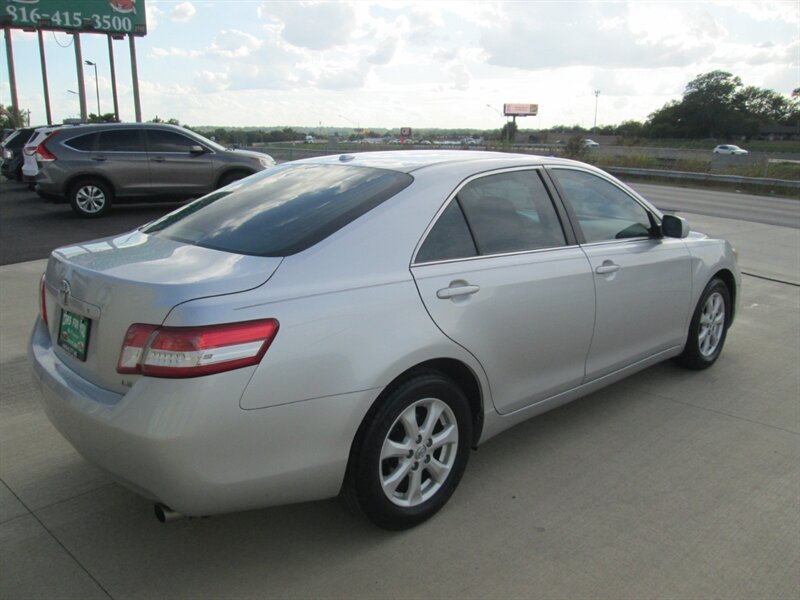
509	131
105	118
9	120
718	105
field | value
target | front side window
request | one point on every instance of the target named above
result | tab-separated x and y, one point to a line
120	140
604	211
168	141
283	210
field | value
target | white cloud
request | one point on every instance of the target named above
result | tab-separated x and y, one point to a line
384	53
459	77
153	13
232	43
183	12
343	77
313	25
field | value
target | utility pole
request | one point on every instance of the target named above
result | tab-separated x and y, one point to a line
596	94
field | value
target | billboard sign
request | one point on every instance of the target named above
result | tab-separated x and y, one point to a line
520	110
73	16
405	131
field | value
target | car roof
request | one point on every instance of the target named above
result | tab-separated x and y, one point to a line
408	161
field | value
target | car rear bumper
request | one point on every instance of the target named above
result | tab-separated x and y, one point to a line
188	444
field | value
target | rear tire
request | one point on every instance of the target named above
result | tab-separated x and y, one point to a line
709	327
90	198
411	453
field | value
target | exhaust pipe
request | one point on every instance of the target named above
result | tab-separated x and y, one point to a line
165	514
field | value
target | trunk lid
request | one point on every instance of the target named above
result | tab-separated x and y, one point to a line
135	278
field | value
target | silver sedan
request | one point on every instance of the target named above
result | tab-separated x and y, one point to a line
356	324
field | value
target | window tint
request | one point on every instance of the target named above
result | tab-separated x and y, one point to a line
120	140
604	211
510	212
85	143
282	210
450	237
168	141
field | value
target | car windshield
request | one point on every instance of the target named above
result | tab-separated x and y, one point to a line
282	210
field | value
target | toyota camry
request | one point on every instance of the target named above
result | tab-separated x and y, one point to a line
356	324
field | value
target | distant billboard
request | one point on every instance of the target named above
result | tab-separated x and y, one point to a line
72	16
520	110
405	131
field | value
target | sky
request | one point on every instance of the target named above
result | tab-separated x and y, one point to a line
391	64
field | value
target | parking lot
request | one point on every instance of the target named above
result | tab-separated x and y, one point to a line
670	484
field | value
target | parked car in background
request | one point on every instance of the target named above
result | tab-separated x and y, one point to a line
589	143
93	166
358	323
30	166
12	153
729	149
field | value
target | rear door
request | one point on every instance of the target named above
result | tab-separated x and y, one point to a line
642	280
174	168
119	155
500	276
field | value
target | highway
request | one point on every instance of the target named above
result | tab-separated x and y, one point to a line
769	210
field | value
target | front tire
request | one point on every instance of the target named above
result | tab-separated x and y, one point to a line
90	198
411	453
709	327
229	178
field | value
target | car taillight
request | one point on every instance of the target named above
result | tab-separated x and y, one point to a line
194	351
43	299
42	153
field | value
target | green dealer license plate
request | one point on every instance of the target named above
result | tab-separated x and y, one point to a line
73	334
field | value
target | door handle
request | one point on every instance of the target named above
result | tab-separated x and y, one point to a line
460	290
99	158
607	267
158	159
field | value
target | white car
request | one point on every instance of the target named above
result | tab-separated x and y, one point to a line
589	143
729	149
30	165
358	323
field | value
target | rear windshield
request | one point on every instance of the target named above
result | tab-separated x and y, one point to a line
281	211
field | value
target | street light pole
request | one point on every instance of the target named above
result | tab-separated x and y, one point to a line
596	94
96	85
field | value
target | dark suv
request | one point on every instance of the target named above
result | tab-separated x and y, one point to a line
12	153
94	165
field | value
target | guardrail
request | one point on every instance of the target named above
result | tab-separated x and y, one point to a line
738	179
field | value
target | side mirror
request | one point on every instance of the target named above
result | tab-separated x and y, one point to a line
674	227
197	149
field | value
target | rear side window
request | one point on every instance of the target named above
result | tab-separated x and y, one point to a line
283	210
120	140
449	239
84	143
511	212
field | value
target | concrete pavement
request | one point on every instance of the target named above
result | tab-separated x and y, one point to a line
671	484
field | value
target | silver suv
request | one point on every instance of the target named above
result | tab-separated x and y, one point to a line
92	166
